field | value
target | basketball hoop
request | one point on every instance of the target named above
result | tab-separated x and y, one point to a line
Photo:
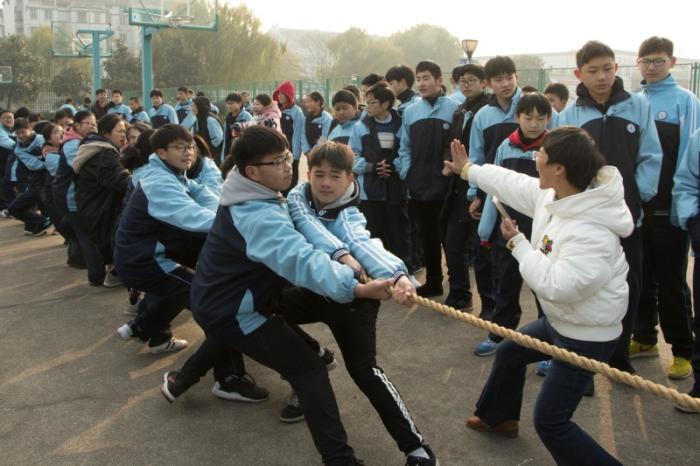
178	21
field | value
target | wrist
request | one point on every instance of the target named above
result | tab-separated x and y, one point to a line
464	172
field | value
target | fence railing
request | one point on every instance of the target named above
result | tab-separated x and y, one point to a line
687	75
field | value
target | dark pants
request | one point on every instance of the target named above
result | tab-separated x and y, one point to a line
458	238
93	260
279	347
507	311
632	246
354	327
484	275
53	213
562	390
7	192
695	360
427	215
24	208
665	296
390	223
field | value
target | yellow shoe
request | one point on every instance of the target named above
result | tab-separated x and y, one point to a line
680	369
638	350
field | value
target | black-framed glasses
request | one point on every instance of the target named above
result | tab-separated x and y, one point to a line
277	161
182	148
647	62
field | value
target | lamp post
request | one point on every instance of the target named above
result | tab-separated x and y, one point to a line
469	45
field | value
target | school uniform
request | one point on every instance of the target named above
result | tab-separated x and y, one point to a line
121	109
624	131
140	115
162	115
31	173
665	296
229	121
205	172
316	130
424	145
292	124
383	201
251	249
405	99
184	110
70	107
7	147
341	132
211	132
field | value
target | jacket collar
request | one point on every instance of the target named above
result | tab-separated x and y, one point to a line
238	189
350	197
517	139
617	95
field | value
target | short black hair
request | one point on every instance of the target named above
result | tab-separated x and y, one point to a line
245	93
183	89
590	50
234	97
117	91
559	90
343	96
528	89
371	79
34	117
200	94
21	123
382	93
429	66
499	65
264	99
156	93
68	100
534	101
254	143
456	73
136	155
317	97
134	98
22	112
574	148
81	115
107	123
7	110
167	134
656	44
40	125
352	88
46	131
473	69
399	72
62	113
100	91
338	156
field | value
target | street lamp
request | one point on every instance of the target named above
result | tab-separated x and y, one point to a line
469	45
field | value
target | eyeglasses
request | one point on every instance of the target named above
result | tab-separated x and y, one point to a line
277	162
647	62
182	148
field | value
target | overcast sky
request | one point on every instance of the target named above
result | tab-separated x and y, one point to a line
501	26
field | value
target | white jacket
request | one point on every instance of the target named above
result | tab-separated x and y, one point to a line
574	262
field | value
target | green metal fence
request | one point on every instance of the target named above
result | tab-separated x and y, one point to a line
687	74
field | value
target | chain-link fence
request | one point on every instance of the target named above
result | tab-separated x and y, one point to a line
687	75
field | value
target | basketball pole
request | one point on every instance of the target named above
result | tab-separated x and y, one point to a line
96	64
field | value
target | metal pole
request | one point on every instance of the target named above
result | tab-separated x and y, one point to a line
96	65
147	65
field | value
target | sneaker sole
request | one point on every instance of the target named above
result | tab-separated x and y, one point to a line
292	420
332	365
234	396
121	331
509	433
679	377
164	390
173	349
685	410
645	354
483	354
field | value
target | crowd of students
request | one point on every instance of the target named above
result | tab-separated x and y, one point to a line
189	211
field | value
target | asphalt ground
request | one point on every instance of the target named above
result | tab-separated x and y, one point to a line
72	392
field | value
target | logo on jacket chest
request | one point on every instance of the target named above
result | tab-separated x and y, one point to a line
546	245
287	117
662	115
631	128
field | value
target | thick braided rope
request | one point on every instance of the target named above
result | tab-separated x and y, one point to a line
559	353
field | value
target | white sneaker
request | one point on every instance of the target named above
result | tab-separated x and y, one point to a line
171	345
125	332
112	280
5	214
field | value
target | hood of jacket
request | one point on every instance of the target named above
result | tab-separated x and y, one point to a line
92	145
238	189
272	111
351	197
518	139
71	134
286	88
602	203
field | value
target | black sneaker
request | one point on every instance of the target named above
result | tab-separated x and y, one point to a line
293	412
463	305
239	388
420	461
430	290
172	387
328	358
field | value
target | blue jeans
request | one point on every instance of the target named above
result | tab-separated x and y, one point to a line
562	389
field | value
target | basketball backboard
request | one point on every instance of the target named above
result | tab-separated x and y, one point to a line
74	40
5	74
186	14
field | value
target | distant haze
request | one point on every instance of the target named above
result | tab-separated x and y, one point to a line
504	27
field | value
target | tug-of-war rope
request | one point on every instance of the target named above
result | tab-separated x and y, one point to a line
563	355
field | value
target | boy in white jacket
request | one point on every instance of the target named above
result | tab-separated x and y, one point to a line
575	265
